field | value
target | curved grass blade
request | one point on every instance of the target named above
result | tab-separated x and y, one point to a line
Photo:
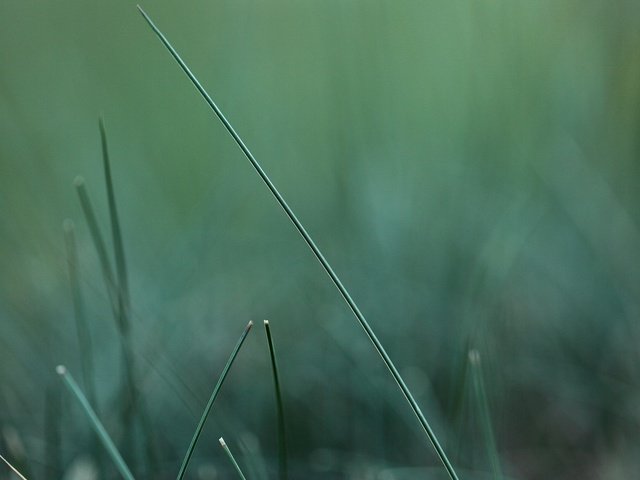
316	251
485	415
95	423
212	399
282	439
225	447
13	469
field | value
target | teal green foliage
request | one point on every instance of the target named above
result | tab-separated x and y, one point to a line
470	170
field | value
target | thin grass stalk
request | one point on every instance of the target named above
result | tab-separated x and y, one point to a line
113	291
282	439
485	414
212	399
13	469
225	447
83	333
95	423
124	300
316	251
85	345
118	246
105	264
98	241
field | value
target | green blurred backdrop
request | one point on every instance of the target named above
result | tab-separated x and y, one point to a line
470	168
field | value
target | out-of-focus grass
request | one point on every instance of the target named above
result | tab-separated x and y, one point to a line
470	169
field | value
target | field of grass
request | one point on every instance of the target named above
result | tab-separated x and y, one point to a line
467	173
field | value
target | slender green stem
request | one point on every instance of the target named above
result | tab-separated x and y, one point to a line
282	439
98	241
225	447
212	399
316	251
13	469
82	329
124	300
118	245
485	414
95	423
117	305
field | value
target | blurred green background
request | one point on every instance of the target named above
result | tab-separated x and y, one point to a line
470	168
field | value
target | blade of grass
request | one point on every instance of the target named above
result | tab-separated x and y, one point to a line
282	439
85	344
485	415
119	313
13	469
212	399
98	242
316	251
225	447
124	302
118	246
82	329
95	423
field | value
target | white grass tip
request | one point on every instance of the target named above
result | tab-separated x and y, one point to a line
222	442
250	324
61	370
78	181
67	225
474	356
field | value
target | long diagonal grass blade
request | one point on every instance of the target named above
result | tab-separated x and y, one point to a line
316	251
